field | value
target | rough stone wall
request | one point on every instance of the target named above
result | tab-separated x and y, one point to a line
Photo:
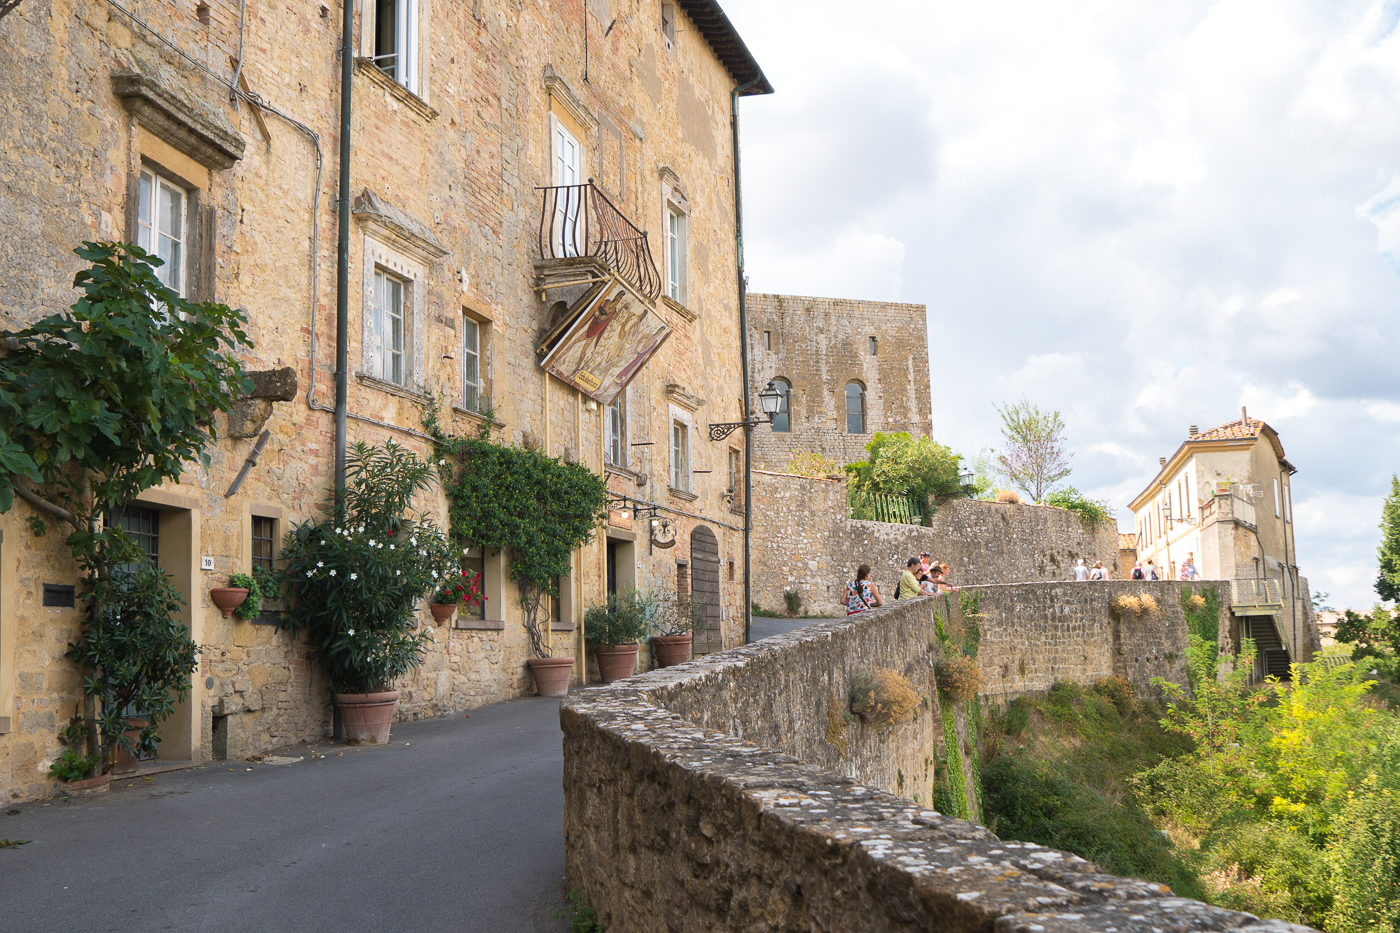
673	824
461	160
821	344
802	540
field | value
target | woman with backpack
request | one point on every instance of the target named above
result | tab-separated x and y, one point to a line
862	593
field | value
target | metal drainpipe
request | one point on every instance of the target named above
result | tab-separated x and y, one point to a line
342	258
342	283
743	353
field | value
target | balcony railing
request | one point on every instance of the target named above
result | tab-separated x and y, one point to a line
882	507
1252	592
578	222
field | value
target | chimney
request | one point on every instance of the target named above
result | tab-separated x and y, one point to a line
1244	416
1162	462
1193	430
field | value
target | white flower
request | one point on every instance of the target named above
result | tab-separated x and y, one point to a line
442	463
308	573
434	574
413	540
398	573
354	576
332	573
352	631
391	547
371	542
339	531
465	550
320	563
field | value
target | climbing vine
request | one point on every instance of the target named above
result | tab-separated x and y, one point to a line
536	508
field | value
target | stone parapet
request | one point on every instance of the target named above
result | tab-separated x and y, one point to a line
671	824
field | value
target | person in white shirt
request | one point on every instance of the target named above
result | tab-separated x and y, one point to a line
1081	573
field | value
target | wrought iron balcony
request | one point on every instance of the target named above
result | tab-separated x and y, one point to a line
579	222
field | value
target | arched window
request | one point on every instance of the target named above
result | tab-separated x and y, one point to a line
855	408
782	421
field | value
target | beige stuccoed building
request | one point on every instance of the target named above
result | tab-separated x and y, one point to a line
1224	503
505	159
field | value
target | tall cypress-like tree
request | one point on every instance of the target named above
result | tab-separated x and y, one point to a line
1388	580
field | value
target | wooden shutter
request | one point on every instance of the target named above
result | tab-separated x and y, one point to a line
203	270
133	204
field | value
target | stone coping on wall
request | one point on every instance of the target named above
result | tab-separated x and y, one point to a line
670	825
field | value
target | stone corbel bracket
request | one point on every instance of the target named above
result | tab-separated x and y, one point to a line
680	396
249	414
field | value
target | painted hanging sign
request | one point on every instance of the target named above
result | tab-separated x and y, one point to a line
607	344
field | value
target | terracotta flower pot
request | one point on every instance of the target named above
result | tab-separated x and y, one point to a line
88	786
616	662
442	611
123	761
367	716
551	675
671	649
228	598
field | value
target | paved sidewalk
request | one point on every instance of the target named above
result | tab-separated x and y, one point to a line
767	626
457	825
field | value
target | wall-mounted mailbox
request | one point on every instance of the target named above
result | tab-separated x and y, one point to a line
59	595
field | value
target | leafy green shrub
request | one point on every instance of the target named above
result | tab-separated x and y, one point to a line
1093	513
674	613
899	465
622	620
357	581
792	599
1267	869
252	606
72	765
1032	803
883	697
1202	610
581	917
808	463
1365	861
766	613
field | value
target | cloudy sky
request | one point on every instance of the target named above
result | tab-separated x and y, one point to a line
1144	215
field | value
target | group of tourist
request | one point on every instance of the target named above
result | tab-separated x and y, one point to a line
922	576
1149	571
1082	573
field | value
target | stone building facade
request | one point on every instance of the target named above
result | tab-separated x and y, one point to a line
848	368
1224	501
462	113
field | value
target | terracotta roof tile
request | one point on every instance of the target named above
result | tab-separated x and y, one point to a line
1239	428
1127	542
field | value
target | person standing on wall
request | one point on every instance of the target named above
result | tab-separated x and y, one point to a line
909	580
1081	573
1152	570
861	593
1098	573
1137	572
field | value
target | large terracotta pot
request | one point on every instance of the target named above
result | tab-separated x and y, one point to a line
123	761
442	611
551	675
367	716
89	786
228	598
616	662
670	649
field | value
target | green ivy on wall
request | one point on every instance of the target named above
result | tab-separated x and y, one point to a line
536	508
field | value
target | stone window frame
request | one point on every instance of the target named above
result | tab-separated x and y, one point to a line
675	204
416	87
189	214
679	416
382	258
668	27
483	361
622	408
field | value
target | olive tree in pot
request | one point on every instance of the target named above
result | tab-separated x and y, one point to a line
614	630
536	508
356	582
673	619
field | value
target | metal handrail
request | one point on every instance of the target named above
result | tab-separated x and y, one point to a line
1254	591
883	507
578	221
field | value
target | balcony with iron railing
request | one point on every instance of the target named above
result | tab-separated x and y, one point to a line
578	222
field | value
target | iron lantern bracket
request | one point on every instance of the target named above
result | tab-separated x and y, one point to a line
719	432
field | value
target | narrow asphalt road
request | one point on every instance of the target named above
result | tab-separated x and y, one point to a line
456	825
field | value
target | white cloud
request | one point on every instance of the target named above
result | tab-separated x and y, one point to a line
1143	215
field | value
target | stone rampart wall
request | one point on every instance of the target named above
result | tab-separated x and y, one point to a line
802	540
689	806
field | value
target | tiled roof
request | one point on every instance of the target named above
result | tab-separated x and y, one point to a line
1127	542
1242	427
728	47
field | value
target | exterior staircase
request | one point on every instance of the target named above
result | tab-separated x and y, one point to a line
1273	656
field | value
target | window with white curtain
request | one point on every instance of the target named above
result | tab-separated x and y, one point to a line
386	356
161	227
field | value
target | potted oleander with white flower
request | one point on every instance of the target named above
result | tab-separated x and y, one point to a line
356	581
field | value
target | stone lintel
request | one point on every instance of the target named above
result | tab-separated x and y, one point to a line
397	228
180	119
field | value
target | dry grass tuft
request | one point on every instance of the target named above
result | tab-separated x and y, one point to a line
837	719
1149	605
883	698
1196	601
1127	606
959	678
1009	496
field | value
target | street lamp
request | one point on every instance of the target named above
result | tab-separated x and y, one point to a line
965	477
770	400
